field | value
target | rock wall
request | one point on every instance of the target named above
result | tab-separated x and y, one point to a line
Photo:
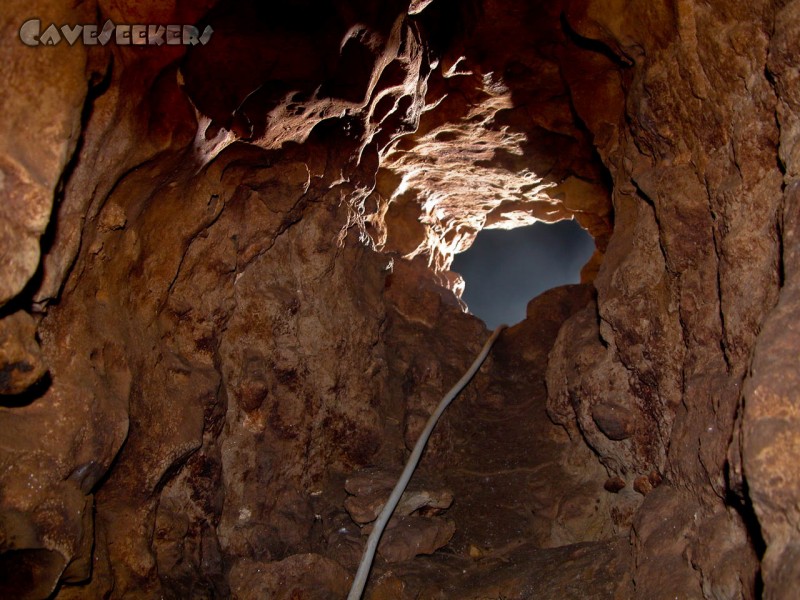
702	199
226	291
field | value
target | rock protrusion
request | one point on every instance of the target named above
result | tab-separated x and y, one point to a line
415	527
21	362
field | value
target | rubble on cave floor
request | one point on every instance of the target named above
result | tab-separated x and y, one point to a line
531	513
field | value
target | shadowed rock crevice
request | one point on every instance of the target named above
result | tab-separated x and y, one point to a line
227	298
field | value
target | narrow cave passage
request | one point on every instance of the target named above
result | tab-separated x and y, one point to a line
227	308
504	270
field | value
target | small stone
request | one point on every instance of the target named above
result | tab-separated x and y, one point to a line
655	478
113	218
643	485
614	484
615	421
407	537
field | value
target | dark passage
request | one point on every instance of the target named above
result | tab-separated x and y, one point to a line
503	269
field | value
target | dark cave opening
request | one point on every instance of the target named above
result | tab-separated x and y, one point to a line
505	269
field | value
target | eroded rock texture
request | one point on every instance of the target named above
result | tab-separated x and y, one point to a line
226	309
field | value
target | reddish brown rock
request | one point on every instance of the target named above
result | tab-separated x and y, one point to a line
232	261
770	422
369	489
413	529
614	421
767	446
407	537
642	485
37	144
21	363
614	484
299	577
496	144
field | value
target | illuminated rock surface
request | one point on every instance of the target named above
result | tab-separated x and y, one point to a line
225	289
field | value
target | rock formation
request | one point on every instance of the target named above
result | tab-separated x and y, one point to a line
226	308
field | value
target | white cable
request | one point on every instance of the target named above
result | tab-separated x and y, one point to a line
362	574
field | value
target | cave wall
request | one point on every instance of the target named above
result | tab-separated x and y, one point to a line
226	288
701	161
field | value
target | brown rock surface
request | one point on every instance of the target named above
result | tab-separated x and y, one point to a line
407	537
226	289
37	140
370	488
497	144
21	364
299	577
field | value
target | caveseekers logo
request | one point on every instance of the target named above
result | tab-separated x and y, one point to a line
31	34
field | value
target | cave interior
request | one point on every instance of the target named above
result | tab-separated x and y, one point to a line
228	303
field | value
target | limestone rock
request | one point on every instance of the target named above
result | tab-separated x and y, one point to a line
21	363
769	429
232	262
300	577
36	144
369	490
407	537
413	529
614	421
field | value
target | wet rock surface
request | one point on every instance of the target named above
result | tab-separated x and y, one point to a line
225	290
